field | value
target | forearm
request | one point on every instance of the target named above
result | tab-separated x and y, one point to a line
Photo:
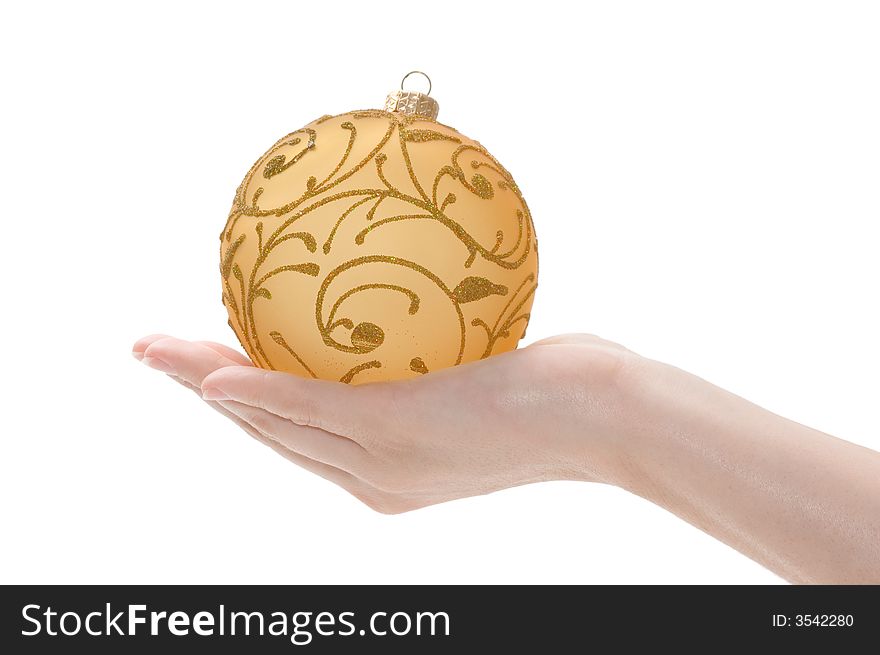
802	503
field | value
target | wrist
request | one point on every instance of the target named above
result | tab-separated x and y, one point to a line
658	406
602	386
640	415
676	432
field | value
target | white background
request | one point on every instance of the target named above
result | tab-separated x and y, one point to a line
703	178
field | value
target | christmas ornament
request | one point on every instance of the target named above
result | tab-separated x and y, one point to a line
377	245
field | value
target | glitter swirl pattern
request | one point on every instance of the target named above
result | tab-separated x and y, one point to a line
375	246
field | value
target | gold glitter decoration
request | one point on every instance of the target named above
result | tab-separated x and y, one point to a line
412	102
417	364
377	245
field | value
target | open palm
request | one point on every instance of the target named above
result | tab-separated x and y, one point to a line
538	413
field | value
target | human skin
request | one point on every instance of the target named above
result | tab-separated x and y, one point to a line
802	503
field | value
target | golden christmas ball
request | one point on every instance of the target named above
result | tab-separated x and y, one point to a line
377	245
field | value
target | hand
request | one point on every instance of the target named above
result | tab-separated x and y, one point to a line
801	502
545	412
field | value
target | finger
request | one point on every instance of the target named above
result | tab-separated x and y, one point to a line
227	352
331	406
313	443
230	353
347	481
185	359
137	350
216	407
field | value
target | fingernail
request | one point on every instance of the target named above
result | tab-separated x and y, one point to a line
137	354
212	393
159	365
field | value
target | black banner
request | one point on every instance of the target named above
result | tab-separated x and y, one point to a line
113	619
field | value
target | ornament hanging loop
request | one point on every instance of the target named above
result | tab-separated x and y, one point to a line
425	75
